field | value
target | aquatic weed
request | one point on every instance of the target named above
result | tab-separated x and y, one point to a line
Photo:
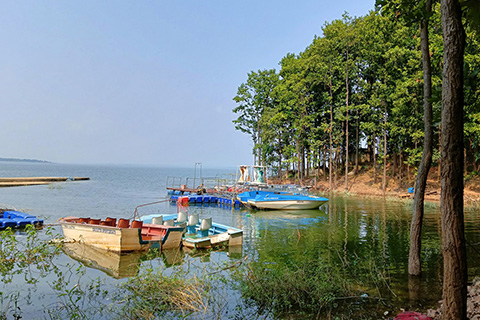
31	256
152	294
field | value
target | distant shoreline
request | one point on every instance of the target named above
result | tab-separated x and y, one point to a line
23	160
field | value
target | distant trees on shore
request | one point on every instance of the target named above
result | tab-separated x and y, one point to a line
22	160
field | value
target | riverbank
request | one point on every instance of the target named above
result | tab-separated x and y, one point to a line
473	304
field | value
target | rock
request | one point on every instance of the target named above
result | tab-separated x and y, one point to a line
410	315
473	304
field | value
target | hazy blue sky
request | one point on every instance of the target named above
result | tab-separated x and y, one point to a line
142	82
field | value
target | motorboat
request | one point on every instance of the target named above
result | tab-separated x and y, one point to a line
284	201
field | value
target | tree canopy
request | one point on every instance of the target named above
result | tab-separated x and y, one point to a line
354	97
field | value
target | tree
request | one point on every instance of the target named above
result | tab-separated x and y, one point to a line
253	97
412	12
414	261
451	201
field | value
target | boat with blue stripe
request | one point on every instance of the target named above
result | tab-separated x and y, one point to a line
280	200
199	233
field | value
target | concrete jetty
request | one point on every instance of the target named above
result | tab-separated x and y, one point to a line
32	181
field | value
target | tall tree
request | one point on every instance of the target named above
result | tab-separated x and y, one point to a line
451	201
253	97
414	260
410	12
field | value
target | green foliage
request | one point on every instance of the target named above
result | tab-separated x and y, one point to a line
252	98
31	256
309	285
280	288
375	61
24	255
153	295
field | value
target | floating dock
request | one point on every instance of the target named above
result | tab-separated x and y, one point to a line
32	181
17	219
220	200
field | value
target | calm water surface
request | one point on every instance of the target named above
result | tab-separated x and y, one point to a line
369	235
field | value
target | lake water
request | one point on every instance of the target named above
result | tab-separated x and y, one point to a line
362	235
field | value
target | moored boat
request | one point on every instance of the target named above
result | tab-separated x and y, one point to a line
284	201
122	236
211	235
200	233
247	195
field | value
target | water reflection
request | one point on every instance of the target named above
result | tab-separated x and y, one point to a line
368	240
124	265
114	264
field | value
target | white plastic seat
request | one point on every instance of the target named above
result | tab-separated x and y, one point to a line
205	224
157	220
170	222
204	228
182	217
193	220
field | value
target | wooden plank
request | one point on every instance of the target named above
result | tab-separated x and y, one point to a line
21	184
32	181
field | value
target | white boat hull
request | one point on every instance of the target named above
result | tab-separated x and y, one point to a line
121	239
233	237
287	204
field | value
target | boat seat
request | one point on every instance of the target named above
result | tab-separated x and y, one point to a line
94	221
83	220
112	221
182	217
136	224
205	226
123	223
170	222
157	220
182	225
192	222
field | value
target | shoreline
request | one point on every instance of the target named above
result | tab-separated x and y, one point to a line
363	185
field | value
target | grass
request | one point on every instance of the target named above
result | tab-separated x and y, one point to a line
152	294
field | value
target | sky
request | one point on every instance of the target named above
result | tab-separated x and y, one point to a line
147	82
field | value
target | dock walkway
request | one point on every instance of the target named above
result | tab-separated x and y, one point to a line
32	181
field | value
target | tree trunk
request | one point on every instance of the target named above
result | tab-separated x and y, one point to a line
414	260
374	143
451	201
400	170
297	149
330	162
369	152
346	125
357	146
306	157
280	158
324	164
395	164
440	151
384	178
258	140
